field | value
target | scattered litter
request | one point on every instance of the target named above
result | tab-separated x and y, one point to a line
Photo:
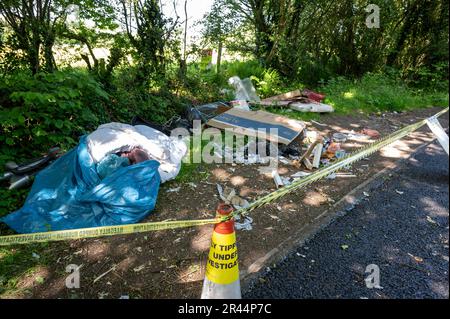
317	154
34	255
310	136
286	180
274	217
138	269
173	190
399	192
339	137
357	136
317	123
344	247
300	255
418	259
277	179
124	297
300	174
244	89
331	150
340	154
245	225
229	196
371	133
304	158
345	175
366	194
104	274
331	176
283	160
193	185
430	220
102	295
308	105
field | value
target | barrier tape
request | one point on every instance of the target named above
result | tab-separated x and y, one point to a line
154	226
102	231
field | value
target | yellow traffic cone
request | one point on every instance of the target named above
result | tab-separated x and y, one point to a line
222	271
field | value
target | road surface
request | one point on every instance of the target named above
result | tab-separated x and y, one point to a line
401	228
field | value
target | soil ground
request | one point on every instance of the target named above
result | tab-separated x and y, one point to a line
171	264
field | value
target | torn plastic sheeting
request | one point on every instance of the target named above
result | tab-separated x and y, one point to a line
69	194
244	89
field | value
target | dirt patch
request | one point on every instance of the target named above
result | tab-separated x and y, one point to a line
170	264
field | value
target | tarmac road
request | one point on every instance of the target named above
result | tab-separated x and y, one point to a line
402	227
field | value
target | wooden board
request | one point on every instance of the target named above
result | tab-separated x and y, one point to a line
249	122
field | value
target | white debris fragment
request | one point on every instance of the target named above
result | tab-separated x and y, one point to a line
173	190
300	174
277	179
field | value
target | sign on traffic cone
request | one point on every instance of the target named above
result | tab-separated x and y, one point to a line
222	271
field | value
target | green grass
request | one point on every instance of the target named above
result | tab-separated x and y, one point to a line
17	261
375	93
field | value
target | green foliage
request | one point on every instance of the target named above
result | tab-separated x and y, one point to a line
44	110
269	84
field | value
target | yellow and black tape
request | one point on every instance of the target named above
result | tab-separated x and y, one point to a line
101	231
154	226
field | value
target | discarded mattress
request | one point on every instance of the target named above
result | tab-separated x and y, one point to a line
69	194
299	100
117	137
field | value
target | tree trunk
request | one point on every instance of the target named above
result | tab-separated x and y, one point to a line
219	57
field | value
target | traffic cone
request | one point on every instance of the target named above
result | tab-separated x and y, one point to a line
222	271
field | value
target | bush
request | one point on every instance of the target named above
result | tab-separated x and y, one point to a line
44	110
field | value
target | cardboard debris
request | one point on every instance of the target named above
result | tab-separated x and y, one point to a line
281	97
317	154
249	122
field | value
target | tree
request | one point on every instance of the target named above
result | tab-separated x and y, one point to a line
218	25
34	24
149	33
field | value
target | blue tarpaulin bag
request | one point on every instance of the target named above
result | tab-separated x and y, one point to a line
69	194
